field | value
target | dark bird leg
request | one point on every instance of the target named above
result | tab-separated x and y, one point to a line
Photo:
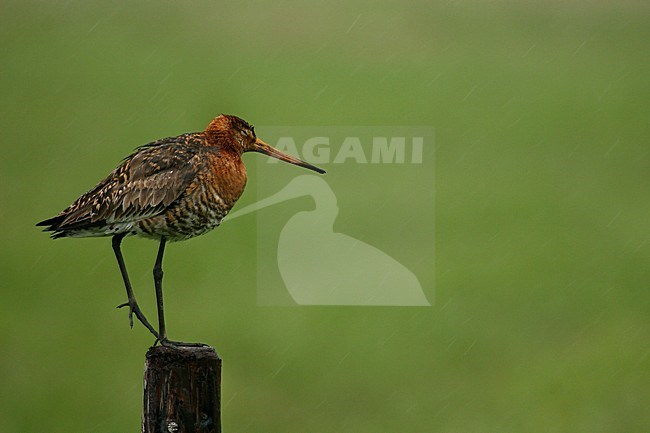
157	279
132	303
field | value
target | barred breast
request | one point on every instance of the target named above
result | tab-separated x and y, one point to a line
205	203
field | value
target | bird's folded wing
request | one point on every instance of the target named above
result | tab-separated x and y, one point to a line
144	185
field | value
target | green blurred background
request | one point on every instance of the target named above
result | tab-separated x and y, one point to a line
541	321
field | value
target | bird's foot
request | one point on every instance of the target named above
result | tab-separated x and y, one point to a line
134	309
177	344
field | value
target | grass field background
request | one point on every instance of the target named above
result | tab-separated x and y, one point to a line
541	320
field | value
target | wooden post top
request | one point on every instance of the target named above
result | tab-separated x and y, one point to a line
185	353
182	390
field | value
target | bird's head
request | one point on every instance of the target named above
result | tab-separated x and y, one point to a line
238	135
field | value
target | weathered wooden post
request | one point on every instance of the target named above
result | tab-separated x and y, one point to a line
182	390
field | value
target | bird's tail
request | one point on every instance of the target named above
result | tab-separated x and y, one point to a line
53	225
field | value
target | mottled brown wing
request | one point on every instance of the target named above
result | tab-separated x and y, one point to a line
144	185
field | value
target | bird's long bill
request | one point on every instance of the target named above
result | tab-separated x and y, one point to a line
264	148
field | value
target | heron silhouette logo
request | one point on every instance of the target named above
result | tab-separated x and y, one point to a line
342	270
